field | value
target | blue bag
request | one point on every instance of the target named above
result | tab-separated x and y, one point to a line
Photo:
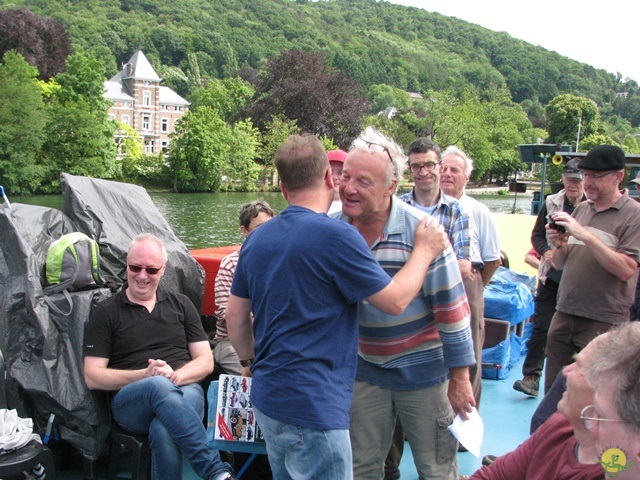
508	297
498	361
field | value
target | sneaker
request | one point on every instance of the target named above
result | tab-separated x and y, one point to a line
529	385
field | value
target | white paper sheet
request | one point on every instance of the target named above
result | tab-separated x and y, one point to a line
469	432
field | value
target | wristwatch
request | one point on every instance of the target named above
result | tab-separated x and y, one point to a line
246	363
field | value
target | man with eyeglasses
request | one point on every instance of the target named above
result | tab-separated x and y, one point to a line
598	250
414	365
614	417
146	346
565	200
562	448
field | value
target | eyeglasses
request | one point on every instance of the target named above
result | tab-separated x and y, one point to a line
590	419
149	270
417	167
595	176
384	149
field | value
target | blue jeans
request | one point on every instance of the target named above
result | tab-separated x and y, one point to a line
304	453
172	416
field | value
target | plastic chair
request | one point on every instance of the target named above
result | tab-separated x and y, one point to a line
140	453
253	448
31	455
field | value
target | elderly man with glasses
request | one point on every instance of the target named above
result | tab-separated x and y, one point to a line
147	347
415	365
614	417
563	447
598	250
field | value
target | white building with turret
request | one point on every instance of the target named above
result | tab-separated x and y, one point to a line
142	103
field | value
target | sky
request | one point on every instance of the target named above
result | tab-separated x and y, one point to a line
601	34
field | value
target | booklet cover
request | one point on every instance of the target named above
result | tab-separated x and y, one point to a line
235	420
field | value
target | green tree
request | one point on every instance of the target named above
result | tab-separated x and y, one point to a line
565	113
383	96
227	96
199	148
240	164
274	134
23	117
596	139
79	134
130	150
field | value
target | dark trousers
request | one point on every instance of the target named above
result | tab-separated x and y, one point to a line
568	335
546	295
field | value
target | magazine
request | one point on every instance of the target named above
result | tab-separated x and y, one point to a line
235	420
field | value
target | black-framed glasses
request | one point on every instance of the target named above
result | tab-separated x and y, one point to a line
595	176
428	166
149	270
590	418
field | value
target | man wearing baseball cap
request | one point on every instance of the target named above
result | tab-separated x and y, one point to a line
599	253
565	200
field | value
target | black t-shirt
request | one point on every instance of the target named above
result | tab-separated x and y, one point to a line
128	334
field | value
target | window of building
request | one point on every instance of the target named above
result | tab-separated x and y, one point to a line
164	107
165	125
165	146
146	122
126	104
112	116
125	119
146	98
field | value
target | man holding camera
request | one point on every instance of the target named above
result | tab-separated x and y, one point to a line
548	277
599	253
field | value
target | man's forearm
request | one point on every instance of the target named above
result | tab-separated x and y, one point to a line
110	379
488	270
240	327
616	263
193	372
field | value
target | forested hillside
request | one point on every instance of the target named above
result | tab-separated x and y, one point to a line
372	42
257	70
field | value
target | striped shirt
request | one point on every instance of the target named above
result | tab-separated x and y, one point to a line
417	348
222	287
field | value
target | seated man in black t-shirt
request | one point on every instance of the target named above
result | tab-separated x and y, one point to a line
148	346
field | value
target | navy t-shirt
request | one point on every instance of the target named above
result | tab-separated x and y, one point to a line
305	274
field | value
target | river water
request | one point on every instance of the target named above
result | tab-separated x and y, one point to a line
203	220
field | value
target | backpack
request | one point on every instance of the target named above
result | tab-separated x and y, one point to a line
73	263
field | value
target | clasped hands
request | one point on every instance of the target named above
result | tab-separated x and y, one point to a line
162	368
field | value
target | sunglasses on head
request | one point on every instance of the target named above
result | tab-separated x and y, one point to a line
149	270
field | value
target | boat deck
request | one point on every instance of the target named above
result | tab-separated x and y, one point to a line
505	412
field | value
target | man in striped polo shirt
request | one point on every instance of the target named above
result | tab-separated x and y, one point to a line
414	365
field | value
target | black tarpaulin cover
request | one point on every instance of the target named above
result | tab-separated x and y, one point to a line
42	349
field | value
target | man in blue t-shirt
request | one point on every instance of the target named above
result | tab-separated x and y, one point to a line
305	299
